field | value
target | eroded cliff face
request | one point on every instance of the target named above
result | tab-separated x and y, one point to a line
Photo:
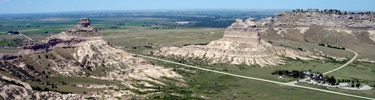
81	52
244	41
241	43
330	27
19	90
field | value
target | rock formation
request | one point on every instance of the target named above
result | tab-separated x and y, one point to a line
327	18
82	29
81	52
241	43
355	31
19	90
244	41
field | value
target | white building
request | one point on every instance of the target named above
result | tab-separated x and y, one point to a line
182	22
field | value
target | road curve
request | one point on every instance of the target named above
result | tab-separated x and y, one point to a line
259	79
27	37
347	63
342	66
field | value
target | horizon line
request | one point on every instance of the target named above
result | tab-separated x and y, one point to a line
156	10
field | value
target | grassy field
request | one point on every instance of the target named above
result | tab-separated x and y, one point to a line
4	42
9	50
358	70
136	38
66	84
265	72
366	93
311	47
208	85
37	25
362	71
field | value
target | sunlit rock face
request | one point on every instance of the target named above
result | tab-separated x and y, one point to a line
84	26
77	53
84	22
244	41
82	29
241	44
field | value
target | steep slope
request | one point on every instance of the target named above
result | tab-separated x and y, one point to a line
261	42
80	52
241	43
329	27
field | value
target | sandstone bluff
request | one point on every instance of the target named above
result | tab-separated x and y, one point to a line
241	43
79	52
250	41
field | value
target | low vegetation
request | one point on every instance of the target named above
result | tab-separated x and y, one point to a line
208	85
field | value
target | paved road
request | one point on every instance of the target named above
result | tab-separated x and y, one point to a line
347	63
259	79
342	66
26	37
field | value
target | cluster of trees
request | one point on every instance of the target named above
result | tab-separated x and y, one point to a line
174	27
11	43
356	84
331	80
353	83
314	76
345	80
319	77
330	11
293	73
13	32
342	48
329	46
196	44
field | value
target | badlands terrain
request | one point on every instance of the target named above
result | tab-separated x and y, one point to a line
80	53
154	57
253	42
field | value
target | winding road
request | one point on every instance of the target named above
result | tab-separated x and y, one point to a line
269	81
27	37
342	66
347	63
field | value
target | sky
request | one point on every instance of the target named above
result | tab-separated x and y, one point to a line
43	6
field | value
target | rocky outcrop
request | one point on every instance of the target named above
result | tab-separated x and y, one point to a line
11	88
244	41
82	52
241	43
328	18
331	27
82	29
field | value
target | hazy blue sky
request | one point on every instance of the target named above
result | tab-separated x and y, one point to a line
36	6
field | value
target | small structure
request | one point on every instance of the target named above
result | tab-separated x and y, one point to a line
182	22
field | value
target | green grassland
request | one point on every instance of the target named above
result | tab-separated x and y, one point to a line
136	39
311	47
208	85
9	50
36	25
265	72
4	42
366	93
362	71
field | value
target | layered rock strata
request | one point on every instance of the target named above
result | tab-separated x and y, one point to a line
81	52
241	44
244	41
